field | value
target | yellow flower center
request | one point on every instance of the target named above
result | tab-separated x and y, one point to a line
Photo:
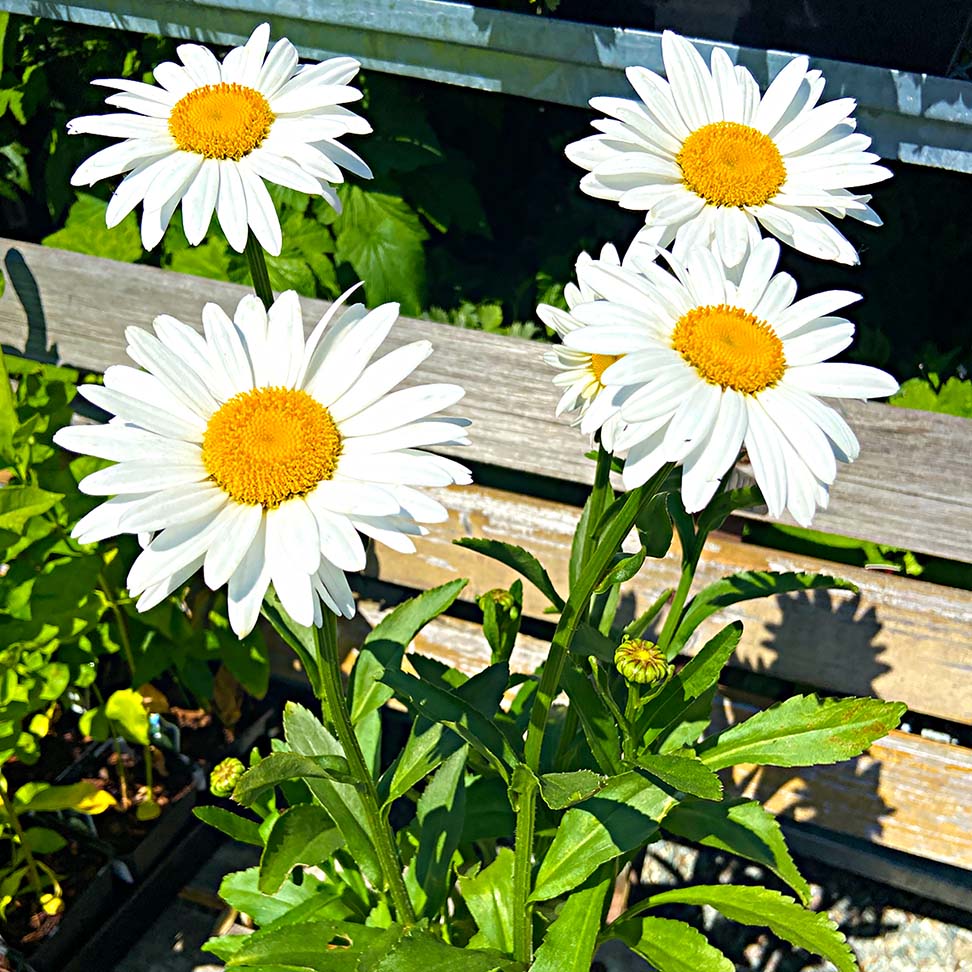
601	362
729	164
729	347
221	121
268	445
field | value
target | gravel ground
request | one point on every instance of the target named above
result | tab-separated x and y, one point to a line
889	930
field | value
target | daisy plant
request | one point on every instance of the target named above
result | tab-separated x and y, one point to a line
258	459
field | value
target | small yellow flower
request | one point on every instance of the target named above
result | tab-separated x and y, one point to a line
225	776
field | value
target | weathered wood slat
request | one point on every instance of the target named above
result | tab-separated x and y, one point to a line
912	486
907	793
897	639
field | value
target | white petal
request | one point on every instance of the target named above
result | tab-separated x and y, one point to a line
260	212
333	581
169	423
400	408
105	520
231	205
178	504
200	63
780	94
248	583
808	441
141	476
340	543
226	344
766	455
379	378
432	431
838	380
292	538
200	201
810	308
170	551
350	496
124	442
235	531
285	340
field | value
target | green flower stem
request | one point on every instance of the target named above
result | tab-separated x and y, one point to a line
678	602
259	273
33	875
575	610
336	710
526	818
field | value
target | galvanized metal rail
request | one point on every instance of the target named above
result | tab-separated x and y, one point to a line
912	117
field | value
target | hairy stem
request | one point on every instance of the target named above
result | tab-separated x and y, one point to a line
259	273
335	706
526	818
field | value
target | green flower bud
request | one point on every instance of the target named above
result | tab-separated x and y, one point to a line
641	661
501	598
225	776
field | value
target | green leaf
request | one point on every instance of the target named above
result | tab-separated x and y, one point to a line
672	946
694	722
382	237
782	915
84	796
239	828
623	816
562	790
418	951
954	397
746	586
520	560
654	527
19	503
622	571
306	735
293	902
125	709
726	503
599	727
487	896
86	232
43	840
439	815
502	613
741	827
685	773
489	815
692	682
300	638
303	834
640	625
570	939
283	767
458	715
589	641
803	731
8	413
386	643
305	946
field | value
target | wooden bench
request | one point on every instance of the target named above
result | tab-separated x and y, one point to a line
901	812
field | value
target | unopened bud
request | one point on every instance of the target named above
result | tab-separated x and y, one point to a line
641	661
225	776
501	598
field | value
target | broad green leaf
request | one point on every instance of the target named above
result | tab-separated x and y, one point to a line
685	773
239	890
741	827
746	586
306	946
621	817
699	675
86	232
693	723
300	835
597	723
125	709
803	731
622	571
589	641
953	397
8	413
19	503
382	238
386	643
458	715
300	638
487	896
489	815
307	736
672	946
43	840
520	560
419	951
562	790
654	527
439	815
84	796
283	767
239	828
570	939
770	909
726	503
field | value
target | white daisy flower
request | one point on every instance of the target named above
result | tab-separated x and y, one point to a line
580	372
715	359
260	458
711	161
211	134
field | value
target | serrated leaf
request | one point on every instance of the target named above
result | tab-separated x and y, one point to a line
692	682
741	827
86	231
746	586
386	643
303	834
622	816
672	946
291	904
439	815
418	951
520	560
570	939
782	915
685	773
487	896
283	767
232	824
562	790
803	731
